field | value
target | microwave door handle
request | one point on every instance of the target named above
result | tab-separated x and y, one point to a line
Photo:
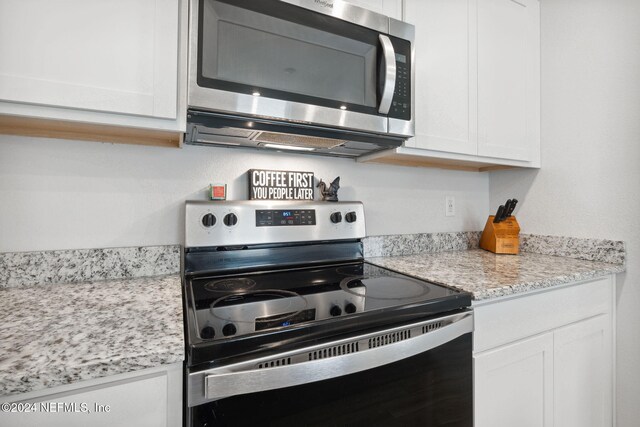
389	58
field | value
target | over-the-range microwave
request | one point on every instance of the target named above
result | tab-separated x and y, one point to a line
321	76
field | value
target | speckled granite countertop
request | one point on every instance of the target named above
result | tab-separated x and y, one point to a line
487	275
58	334
53	334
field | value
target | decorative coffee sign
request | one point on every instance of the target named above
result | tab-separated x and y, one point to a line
280	185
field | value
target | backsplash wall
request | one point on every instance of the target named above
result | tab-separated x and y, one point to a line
73	195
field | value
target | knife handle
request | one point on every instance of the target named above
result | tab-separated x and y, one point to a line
499	214
511	207
507	205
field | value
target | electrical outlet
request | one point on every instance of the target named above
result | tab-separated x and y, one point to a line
450	206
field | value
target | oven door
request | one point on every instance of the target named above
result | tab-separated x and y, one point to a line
418	374
301	61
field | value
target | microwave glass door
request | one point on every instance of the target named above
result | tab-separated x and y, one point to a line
277	50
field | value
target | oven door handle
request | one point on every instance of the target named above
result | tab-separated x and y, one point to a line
220	383
389	84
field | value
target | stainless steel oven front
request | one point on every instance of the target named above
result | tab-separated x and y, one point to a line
318	62
417	374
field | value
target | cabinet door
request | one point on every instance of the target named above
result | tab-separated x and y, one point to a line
446	74
583	363
508	78
391	8
135	403
116	56
513	384
152	398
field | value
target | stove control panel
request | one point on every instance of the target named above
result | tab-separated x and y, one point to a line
253	222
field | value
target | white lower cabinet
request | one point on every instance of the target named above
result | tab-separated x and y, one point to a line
150	398
582	374
559	371
513	384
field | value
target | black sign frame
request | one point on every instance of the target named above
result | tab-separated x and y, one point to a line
267	184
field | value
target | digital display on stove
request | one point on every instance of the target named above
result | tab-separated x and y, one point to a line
279	217
286	319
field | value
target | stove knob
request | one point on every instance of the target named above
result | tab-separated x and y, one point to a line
209	220
230	220
350	308
351	217
336	217
335	311
207	332
229	329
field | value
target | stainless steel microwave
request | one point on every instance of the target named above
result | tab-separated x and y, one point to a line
322	76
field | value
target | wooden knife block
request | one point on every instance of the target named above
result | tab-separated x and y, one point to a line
502	237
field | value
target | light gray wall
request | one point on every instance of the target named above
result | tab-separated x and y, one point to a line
589	183
58	194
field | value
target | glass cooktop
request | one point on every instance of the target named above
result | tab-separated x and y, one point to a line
232	306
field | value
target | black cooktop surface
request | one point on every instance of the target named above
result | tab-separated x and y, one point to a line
254	309
379	287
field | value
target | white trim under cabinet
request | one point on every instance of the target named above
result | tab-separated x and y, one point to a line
147	398
119	63
546	359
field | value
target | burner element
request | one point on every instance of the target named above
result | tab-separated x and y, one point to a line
234	286
256	307
385	288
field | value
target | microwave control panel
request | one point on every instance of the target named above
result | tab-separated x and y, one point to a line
401	103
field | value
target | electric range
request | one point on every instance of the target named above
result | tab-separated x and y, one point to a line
275	289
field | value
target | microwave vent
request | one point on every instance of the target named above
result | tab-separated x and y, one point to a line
296	140
231	132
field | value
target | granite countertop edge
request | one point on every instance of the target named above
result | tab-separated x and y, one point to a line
411	265
523	287
47	379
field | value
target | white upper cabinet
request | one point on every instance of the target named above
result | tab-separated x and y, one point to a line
477	85
117	56
77	60
509	78
446	74
391	8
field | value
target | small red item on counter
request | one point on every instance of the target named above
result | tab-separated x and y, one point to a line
218	192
